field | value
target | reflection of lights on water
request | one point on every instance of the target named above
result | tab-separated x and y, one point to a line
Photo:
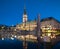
41	37
31	37
2	38
53	37
27	37
22	36
12	38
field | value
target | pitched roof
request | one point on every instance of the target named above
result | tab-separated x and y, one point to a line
49	18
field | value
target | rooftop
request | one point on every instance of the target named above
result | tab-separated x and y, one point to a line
50	18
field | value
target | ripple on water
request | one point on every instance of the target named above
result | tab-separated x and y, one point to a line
56	46
10	44
17	44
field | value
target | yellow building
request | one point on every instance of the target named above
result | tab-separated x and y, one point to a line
28	26
50	24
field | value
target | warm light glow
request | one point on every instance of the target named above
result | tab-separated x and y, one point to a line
15	29
31	37
51	37
27	37
22	37
49	31
49	34
43	34
41	37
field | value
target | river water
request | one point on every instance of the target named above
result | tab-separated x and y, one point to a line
18	44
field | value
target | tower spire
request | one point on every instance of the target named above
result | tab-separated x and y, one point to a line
25	13
24	9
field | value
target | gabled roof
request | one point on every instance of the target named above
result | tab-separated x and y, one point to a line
49	18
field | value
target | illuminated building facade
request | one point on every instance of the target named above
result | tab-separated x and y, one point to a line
29	26
49	24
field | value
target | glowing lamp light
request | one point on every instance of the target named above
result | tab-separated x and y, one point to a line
2	38
15	36
48	28
49	34
15	29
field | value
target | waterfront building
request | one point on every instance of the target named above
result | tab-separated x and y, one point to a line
48	25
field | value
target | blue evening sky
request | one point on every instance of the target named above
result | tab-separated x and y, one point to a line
11	11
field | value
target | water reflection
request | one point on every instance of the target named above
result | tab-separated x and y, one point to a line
10	44
17	44
56	46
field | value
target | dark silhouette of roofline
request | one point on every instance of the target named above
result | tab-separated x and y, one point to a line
50	18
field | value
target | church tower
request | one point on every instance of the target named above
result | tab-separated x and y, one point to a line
25	16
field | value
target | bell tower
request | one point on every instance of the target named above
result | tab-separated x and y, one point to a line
25	15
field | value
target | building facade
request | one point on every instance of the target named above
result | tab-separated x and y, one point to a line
49	24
